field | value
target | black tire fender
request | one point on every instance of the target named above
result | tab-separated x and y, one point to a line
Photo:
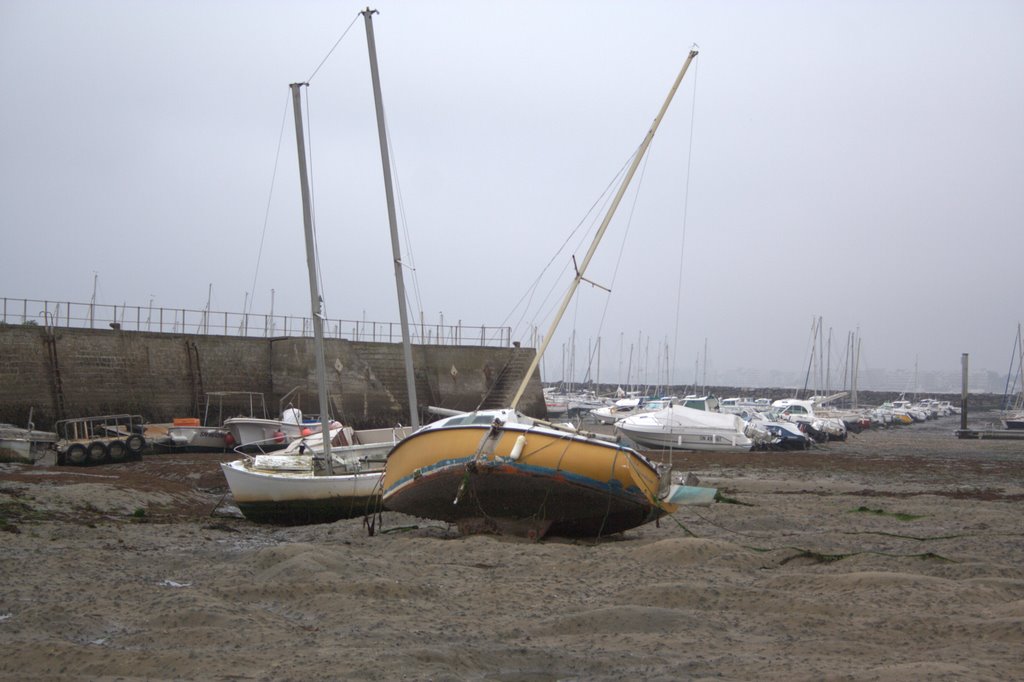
117	451
98	452
135	444
76	454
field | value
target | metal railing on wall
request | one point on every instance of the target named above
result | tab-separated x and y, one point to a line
219	323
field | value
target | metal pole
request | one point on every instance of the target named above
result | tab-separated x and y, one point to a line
314	293
92	301
410	378
963	392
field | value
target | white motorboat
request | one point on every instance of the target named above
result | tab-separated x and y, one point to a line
741	405
24	445
1013	420
802	413
209	434
915	412
772	434
679	427
192	438
556	403
627	407
252	433
705	403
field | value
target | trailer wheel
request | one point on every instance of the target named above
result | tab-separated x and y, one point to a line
98	452
76	454
135	444
117	450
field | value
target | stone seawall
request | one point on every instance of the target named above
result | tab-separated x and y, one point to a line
83	372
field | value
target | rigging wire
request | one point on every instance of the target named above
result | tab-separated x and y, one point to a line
405	224
277	160
526	300
618	260
270	197
686	204
334	47
531	290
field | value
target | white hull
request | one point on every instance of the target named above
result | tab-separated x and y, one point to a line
603	416
688	438
23	450
24	445
251	482
268	434
684	428
627	408
283	488
277	490
196	437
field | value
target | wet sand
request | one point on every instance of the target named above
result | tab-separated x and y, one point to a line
897	555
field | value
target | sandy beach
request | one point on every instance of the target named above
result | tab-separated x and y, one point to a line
897	555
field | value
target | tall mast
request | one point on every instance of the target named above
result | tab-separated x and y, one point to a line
704	379
601	230
316	302
396	252
856	368
1017	404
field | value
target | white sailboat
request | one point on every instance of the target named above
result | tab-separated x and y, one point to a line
301	485
502	471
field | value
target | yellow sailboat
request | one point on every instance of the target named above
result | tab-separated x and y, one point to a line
502	471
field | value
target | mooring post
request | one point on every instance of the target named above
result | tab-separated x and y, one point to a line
963	393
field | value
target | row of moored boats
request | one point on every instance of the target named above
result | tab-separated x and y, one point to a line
738	424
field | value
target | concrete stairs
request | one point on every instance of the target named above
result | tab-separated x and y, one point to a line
508	379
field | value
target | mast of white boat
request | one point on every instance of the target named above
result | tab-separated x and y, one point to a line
856	369
1019	402
704	377
316	301
396	252
581	270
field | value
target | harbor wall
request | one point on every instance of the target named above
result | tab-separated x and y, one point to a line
70	372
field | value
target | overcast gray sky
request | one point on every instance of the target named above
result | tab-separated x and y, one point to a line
862	161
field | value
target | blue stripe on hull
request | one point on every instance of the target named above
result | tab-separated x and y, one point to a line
573	505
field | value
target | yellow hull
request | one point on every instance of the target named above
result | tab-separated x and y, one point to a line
523	480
